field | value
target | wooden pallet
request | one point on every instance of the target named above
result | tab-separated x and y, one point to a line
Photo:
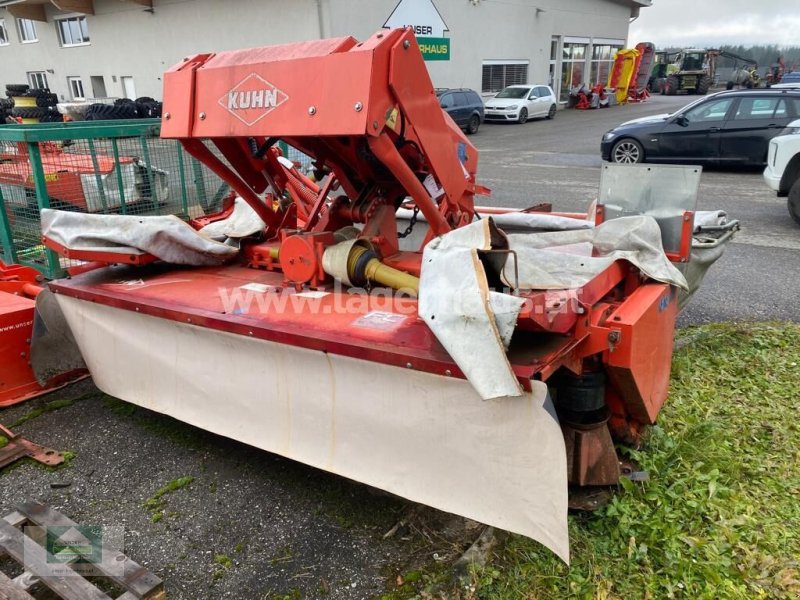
137	582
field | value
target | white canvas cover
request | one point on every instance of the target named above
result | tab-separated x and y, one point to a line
165	237
425	437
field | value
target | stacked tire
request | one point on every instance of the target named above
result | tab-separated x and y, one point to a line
33	105
6	106
148	108
121	109
125	108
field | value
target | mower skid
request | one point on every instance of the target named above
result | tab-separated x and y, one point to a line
425	437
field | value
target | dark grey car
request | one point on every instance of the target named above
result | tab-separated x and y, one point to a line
464	106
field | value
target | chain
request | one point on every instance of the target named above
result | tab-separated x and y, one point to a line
411	223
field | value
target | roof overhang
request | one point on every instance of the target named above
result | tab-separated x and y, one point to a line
635	5
34	9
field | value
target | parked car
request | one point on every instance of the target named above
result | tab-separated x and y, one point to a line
464	106
731	127
790	78
518	103
783	167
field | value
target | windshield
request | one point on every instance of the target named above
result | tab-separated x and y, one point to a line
513	92
693	61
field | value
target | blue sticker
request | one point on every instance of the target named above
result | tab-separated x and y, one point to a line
462	152
664	303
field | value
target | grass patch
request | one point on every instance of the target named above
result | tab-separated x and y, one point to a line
157	502
224	560
51	406
718	519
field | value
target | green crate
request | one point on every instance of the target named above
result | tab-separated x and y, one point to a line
105	167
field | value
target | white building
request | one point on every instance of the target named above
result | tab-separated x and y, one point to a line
100	48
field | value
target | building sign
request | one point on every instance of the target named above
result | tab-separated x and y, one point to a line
434	48
424	19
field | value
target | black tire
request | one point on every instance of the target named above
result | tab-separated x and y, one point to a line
48	100
627	151
749	84
105	112
671	85
474	124
149	110
120	101
52	118
551	114
145	100
40	93
793	202
15	89
29	113
6	103
523	116
729	85
703	84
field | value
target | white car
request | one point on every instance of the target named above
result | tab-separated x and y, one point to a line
783	167
518	103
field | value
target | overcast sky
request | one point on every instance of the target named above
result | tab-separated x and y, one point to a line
685	23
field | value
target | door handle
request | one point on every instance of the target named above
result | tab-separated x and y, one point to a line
714	129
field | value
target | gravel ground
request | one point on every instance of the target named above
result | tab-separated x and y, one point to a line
290	531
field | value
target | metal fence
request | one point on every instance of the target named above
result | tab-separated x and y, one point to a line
119	167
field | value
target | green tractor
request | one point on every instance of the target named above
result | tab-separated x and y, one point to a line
691	71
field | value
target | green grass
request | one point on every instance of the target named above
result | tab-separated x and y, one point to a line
720	516
224	560
157	502
51	406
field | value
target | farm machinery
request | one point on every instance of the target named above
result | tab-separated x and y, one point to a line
691	71
78	181
19	287
475	359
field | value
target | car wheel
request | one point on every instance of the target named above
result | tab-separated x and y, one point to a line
793	202
523	116
552	112
627	152
474	124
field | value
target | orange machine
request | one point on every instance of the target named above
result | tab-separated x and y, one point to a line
19	287
367	115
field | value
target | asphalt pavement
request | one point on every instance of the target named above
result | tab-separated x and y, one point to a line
253	525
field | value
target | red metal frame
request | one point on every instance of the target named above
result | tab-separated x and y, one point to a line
98	256
19	286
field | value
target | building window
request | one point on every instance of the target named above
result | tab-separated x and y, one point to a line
76	88
73	31
602	62
573	65
3	33
500	74
27	31
37	80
